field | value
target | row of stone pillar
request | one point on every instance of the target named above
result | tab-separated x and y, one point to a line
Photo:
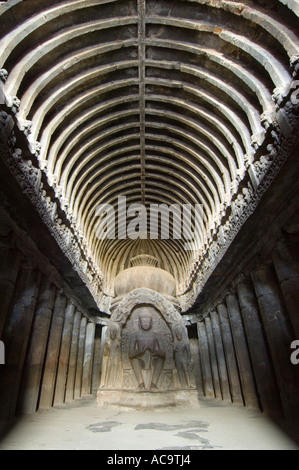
245	339
49	343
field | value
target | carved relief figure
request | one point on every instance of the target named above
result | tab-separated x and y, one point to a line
182	357
146	350
112	358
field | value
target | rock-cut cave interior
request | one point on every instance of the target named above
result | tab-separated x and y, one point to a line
149	222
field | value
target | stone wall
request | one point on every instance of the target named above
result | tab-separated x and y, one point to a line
245	335
49	336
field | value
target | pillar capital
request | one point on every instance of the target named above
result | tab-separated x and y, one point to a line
243	277
231	290
219	302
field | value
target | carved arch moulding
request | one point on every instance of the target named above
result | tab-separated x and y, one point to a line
167	343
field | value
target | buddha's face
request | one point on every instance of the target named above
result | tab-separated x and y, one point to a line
145	321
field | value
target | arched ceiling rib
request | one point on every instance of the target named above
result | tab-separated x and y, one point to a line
157	101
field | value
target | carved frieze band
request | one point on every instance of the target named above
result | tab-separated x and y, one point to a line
30	180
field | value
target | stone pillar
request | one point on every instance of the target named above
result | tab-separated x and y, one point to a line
64	355
242	354
33	368
2	353
261	360
279	335
205	360
52	355
194	346
103	338
71	373
224	382
88	359
230	357
15	337
288	274
213	359
10	260
96	370
80	358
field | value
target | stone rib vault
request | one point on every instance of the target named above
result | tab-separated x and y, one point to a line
161	102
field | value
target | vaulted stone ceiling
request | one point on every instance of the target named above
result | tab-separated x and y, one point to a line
160	101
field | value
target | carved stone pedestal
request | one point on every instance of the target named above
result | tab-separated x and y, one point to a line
146	400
